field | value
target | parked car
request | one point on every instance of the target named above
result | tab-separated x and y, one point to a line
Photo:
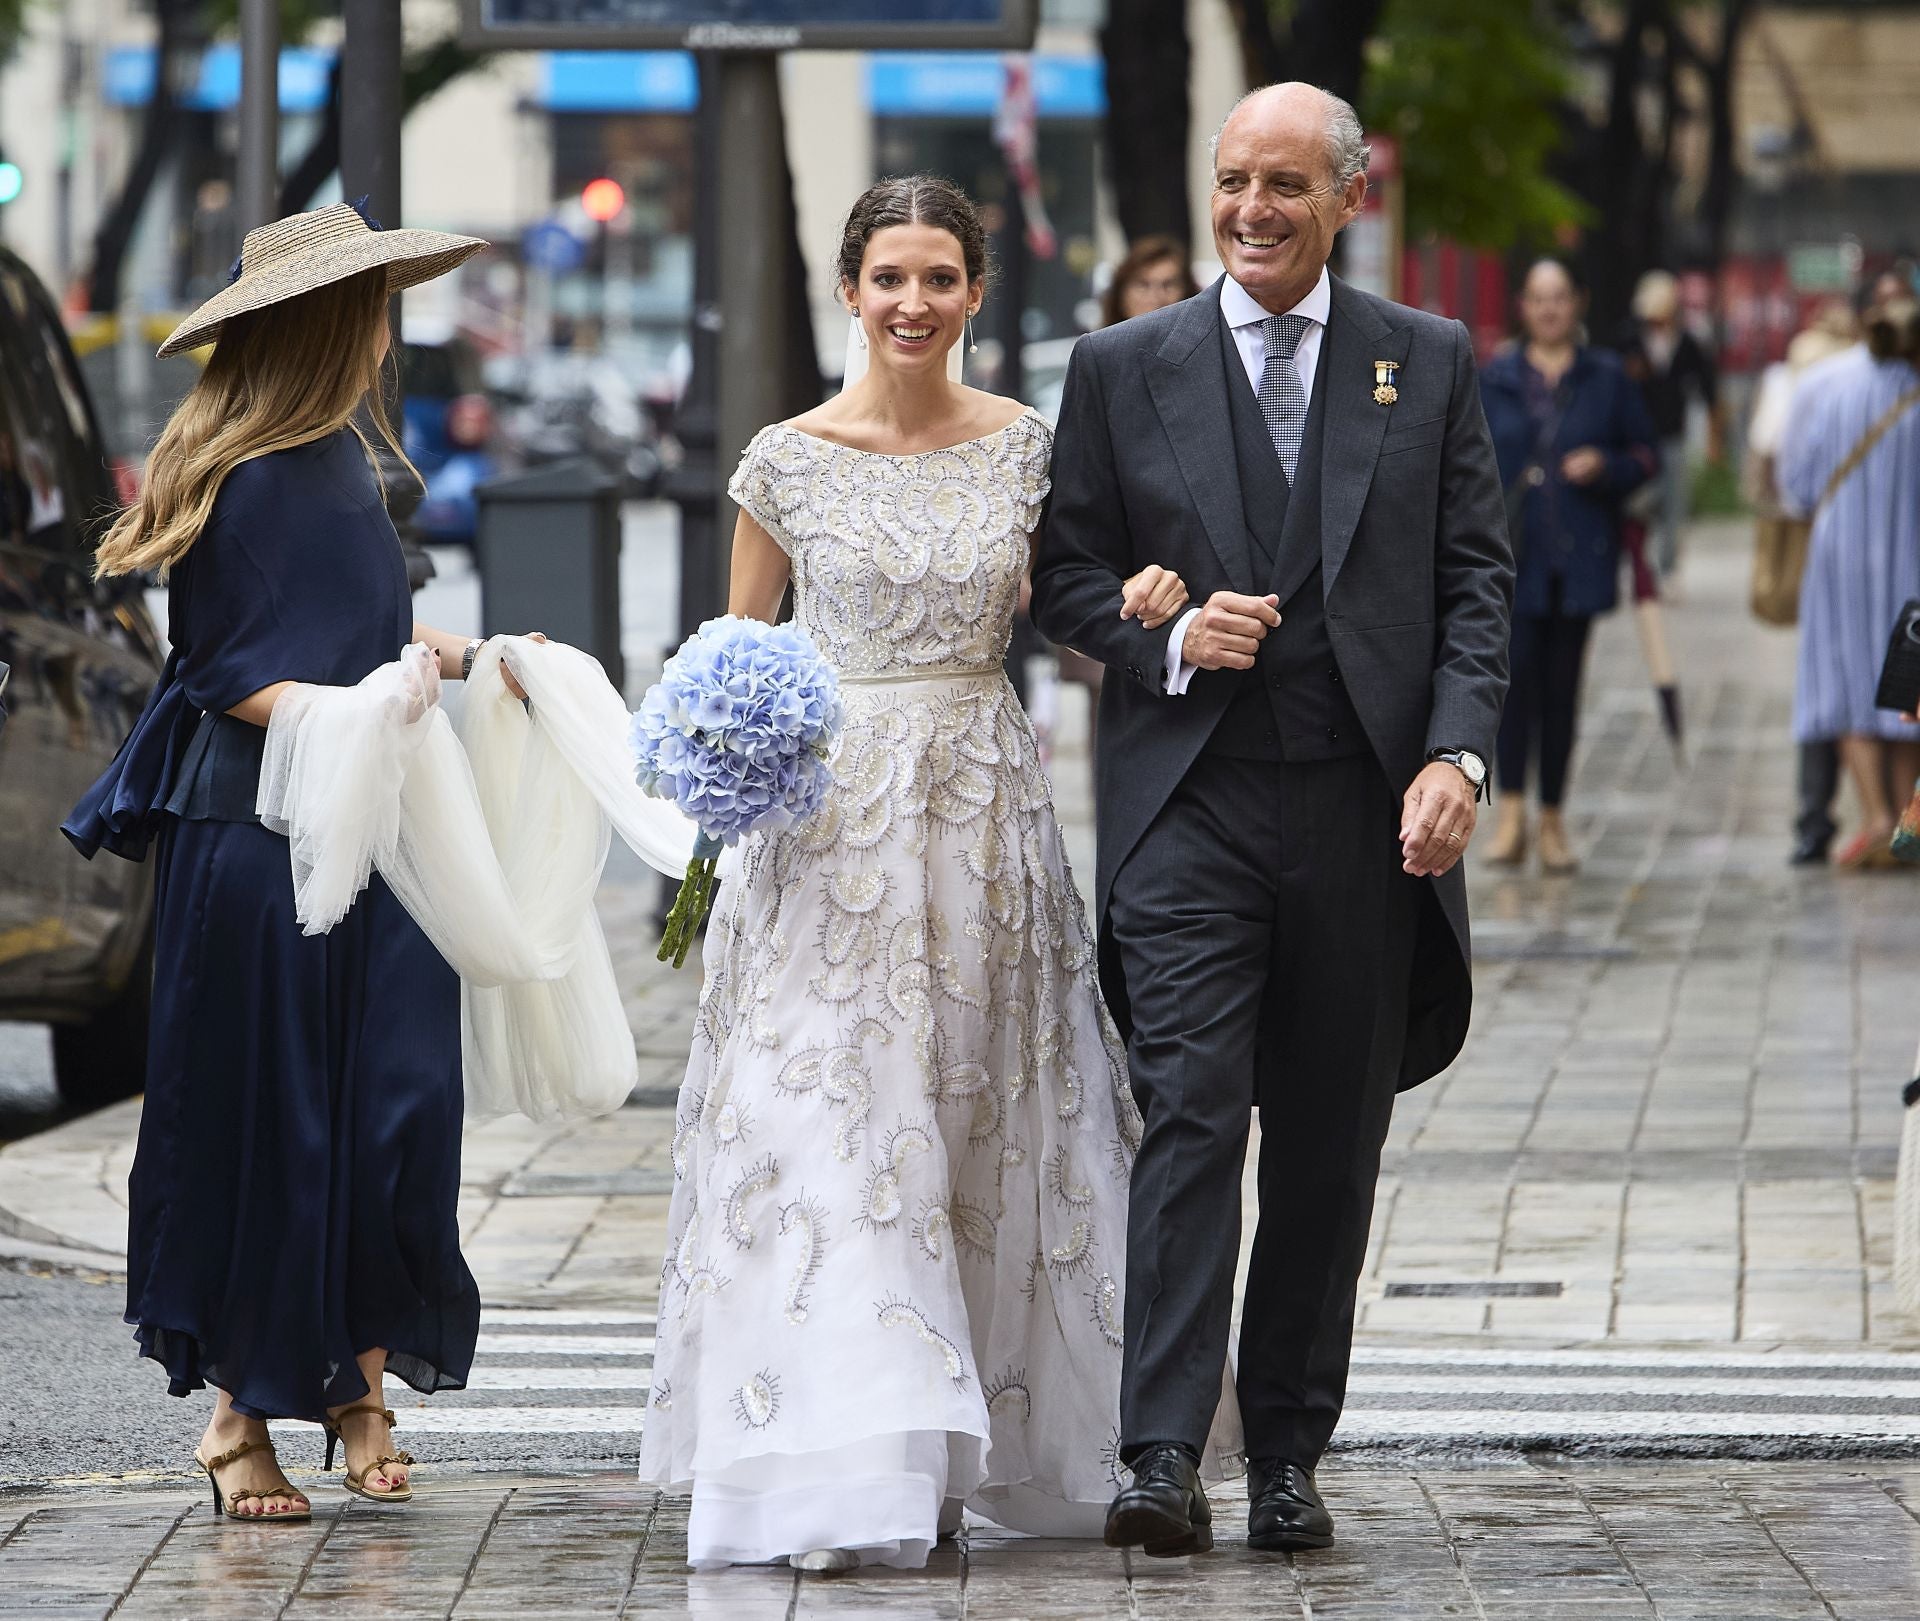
75	940
448	429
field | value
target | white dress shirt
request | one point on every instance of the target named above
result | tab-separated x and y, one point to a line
1246	320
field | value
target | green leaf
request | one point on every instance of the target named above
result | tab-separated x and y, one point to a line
297	17
1470	91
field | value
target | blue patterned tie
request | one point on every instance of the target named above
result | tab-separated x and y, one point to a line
1283	401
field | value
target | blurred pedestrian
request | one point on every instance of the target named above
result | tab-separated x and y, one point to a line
1156	272
292	1234
1833	329
1851	457
1675	373
1573	439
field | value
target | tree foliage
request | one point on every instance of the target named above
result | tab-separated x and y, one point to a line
13	26
1469	90
298	18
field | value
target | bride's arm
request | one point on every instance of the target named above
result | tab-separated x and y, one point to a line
760	572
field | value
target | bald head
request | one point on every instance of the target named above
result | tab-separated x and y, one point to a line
1289	171
1298	108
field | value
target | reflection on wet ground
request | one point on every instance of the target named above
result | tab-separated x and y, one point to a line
1509	1540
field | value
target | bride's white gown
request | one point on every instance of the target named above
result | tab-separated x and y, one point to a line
895	1272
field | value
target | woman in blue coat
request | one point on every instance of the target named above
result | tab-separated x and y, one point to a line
291	1234
1573	438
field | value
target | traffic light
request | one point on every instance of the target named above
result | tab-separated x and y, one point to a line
11	180
602	199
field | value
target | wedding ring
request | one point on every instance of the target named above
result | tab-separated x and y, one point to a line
1453	838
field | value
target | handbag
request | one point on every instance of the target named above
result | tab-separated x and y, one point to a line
1780	541
1779	561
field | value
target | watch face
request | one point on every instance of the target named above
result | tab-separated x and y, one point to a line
1475	768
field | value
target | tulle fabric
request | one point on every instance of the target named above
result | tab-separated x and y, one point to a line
493	838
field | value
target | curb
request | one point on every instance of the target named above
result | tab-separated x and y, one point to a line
57	1206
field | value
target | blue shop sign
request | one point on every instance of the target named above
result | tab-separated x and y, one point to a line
619	82
126	78
968	84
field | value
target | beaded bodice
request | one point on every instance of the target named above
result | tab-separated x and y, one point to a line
902	564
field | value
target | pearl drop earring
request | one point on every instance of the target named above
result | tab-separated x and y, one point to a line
972	347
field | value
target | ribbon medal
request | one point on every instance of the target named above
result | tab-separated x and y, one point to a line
1384	393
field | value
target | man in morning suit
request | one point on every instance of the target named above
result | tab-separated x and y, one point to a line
1288	779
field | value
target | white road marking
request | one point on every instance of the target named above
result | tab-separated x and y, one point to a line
1381	1356
1386	1424
1361	1424
511	1378
565	1345
448	1420
1387	1385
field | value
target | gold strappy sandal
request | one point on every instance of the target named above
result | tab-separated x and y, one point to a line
228	1503
355	1480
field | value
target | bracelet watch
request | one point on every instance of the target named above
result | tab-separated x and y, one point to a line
1468	764
467	658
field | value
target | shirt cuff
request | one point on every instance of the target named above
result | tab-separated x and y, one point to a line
1179	671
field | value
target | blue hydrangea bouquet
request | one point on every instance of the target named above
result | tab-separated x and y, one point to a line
736	732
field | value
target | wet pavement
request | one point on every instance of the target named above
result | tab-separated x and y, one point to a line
1607	1542
1628	1345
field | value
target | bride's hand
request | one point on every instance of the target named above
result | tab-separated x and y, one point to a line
506	674
1153	596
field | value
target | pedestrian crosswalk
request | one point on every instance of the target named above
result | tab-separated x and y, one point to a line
580	1372
1619	1399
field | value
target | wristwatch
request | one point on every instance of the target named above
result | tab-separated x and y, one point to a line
1469	765
467	657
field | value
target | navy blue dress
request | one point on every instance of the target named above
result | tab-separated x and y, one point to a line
292	1201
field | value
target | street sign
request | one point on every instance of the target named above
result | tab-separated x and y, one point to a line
551	247
1823	267
749	25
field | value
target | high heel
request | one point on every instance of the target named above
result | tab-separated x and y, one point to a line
1509	846
1556	854
355	1480
826	1561
224	1503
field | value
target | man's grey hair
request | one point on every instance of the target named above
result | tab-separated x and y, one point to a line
1347	149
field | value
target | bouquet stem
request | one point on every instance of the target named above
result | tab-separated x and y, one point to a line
691	905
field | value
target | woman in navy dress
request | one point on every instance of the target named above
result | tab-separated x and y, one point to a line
292	1232
1573	438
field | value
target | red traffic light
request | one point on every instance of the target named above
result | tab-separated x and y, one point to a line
602	199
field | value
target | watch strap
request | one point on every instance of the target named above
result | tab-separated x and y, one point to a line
1483	789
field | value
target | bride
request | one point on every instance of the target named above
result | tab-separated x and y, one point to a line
894	1275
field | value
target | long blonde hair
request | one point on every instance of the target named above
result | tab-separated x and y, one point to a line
281	376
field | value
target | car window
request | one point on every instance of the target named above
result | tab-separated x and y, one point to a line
55	448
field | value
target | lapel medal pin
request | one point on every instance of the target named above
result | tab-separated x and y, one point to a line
1384	393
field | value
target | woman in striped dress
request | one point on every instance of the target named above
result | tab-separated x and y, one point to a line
1864	560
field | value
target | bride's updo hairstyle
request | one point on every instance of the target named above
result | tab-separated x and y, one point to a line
914	199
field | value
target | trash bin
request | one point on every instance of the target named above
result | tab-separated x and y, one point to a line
548	550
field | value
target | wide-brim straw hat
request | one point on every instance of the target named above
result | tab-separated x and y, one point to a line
305	251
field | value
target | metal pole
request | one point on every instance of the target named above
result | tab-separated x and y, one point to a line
693	484
752	285
370	113
259	155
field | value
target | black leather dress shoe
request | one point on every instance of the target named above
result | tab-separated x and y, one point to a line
1284	1512
1164	1513
1810	850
